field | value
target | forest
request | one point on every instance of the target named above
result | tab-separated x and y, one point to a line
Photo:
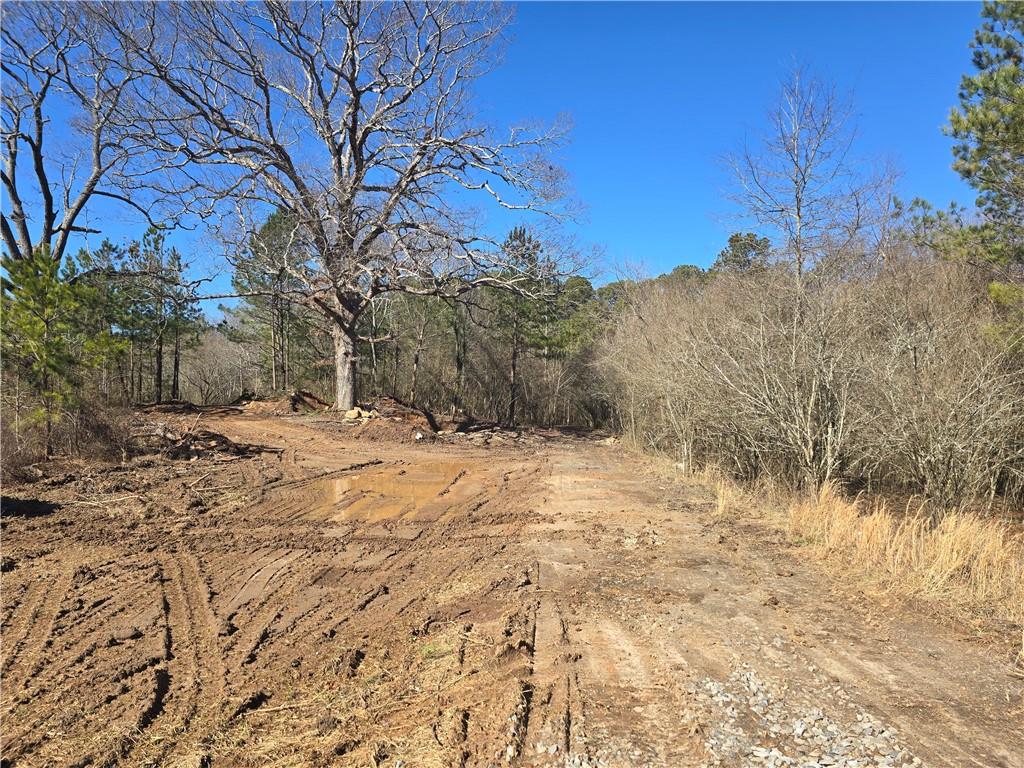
854	337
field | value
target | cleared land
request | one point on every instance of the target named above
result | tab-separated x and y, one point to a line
541	600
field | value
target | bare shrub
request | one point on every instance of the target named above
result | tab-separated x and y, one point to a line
90	428
95	430
750	371
941	409
17	452
889	379
220	370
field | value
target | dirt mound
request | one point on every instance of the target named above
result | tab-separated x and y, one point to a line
392	429
299	401
177	439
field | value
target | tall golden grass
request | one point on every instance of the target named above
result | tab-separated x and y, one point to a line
964	564
963	561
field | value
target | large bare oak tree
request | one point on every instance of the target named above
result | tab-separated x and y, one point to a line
355	121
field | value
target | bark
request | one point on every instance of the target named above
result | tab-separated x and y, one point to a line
344	367
175	376
158	372
513	379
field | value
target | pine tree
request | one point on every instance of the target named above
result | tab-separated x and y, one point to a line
517	314
44	336
744	252
160	312
989	127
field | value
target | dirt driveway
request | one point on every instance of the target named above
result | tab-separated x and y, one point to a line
533	603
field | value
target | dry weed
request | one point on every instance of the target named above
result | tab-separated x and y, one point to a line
965	562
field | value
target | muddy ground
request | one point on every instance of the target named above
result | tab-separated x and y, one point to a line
540	600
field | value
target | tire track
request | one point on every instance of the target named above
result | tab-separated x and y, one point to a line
196	662
161	679
275	637
17	629
255	618
27	657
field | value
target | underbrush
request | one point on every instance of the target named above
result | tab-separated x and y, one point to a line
91	431
964	564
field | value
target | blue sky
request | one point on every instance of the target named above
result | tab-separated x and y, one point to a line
660	92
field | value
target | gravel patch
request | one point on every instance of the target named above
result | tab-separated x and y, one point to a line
750	722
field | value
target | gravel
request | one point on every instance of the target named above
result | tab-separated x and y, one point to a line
750	722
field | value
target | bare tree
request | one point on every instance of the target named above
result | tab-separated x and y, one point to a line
354	119
791	362
56	70
801	183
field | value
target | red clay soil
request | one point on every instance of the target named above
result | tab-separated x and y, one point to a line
346	602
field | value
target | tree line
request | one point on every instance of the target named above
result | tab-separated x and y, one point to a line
843	336
866	342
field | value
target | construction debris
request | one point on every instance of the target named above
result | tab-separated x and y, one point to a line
191	443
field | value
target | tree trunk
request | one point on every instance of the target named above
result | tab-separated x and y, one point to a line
139	382
131	372
394	370
513	379
416	365
460	364
273	347
158	373
344	368
415	375
175	376
285	346
125	378
48	406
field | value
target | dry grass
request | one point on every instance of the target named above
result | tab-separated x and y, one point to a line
733	498
965	563
729	496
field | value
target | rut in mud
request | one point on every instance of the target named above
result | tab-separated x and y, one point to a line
304	622
345	603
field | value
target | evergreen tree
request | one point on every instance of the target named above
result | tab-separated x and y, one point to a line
516	313
46	335
989	127
744	252
268	317
160	311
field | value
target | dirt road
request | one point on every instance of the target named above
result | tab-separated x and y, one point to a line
529	603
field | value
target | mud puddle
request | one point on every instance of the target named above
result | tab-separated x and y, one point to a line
387	493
